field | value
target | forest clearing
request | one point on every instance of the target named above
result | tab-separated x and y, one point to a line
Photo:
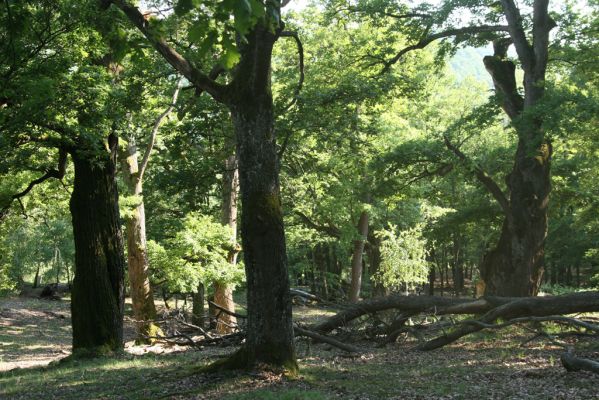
299	199
489	365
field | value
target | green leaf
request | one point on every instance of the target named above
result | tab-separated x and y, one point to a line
230	55
196	33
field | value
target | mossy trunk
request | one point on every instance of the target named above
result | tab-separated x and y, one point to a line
97	296
142	296
515	266
270	338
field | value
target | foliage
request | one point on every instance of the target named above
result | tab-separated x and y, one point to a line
199	252
403	256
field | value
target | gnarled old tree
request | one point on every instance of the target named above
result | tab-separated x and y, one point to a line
270	338
515	266
75	125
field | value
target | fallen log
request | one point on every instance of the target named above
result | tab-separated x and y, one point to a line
573	363
410	305
522	307
304	294
325	339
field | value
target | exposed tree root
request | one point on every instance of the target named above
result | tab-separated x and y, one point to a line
573	363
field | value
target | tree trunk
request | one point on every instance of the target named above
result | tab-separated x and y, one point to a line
97	296
142	296
374	256
223	292
198	312
270	337
356	263
515	266
36	278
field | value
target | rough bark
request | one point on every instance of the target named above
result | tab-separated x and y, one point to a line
515	266
97	297
248	96
270	337
356	263
223	293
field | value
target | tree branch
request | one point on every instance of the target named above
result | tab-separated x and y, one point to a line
503	73
300	51
523	48
330	230
157	123
469	30
485	179
542	25
176	60
51	173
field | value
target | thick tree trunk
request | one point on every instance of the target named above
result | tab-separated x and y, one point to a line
356	263
515	266
223	293
97	296
270	337
142	296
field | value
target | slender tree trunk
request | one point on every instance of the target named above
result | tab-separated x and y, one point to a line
356	263
57	265
198	312
36	278
269	332
374	256
97	296
142	296
223	292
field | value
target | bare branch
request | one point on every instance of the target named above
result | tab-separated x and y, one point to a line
469	30
157	123
485	179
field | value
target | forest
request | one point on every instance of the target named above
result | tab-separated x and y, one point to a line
299	199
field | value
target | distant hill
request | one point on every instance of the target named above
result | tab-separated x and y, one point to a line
468	62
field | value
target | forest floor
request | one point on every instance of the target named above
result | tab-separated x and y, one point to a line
487	365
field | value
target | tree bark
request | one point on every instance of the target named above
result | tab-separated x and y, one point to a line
270	337
97	297
356	263
223	292
515	266
142	297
